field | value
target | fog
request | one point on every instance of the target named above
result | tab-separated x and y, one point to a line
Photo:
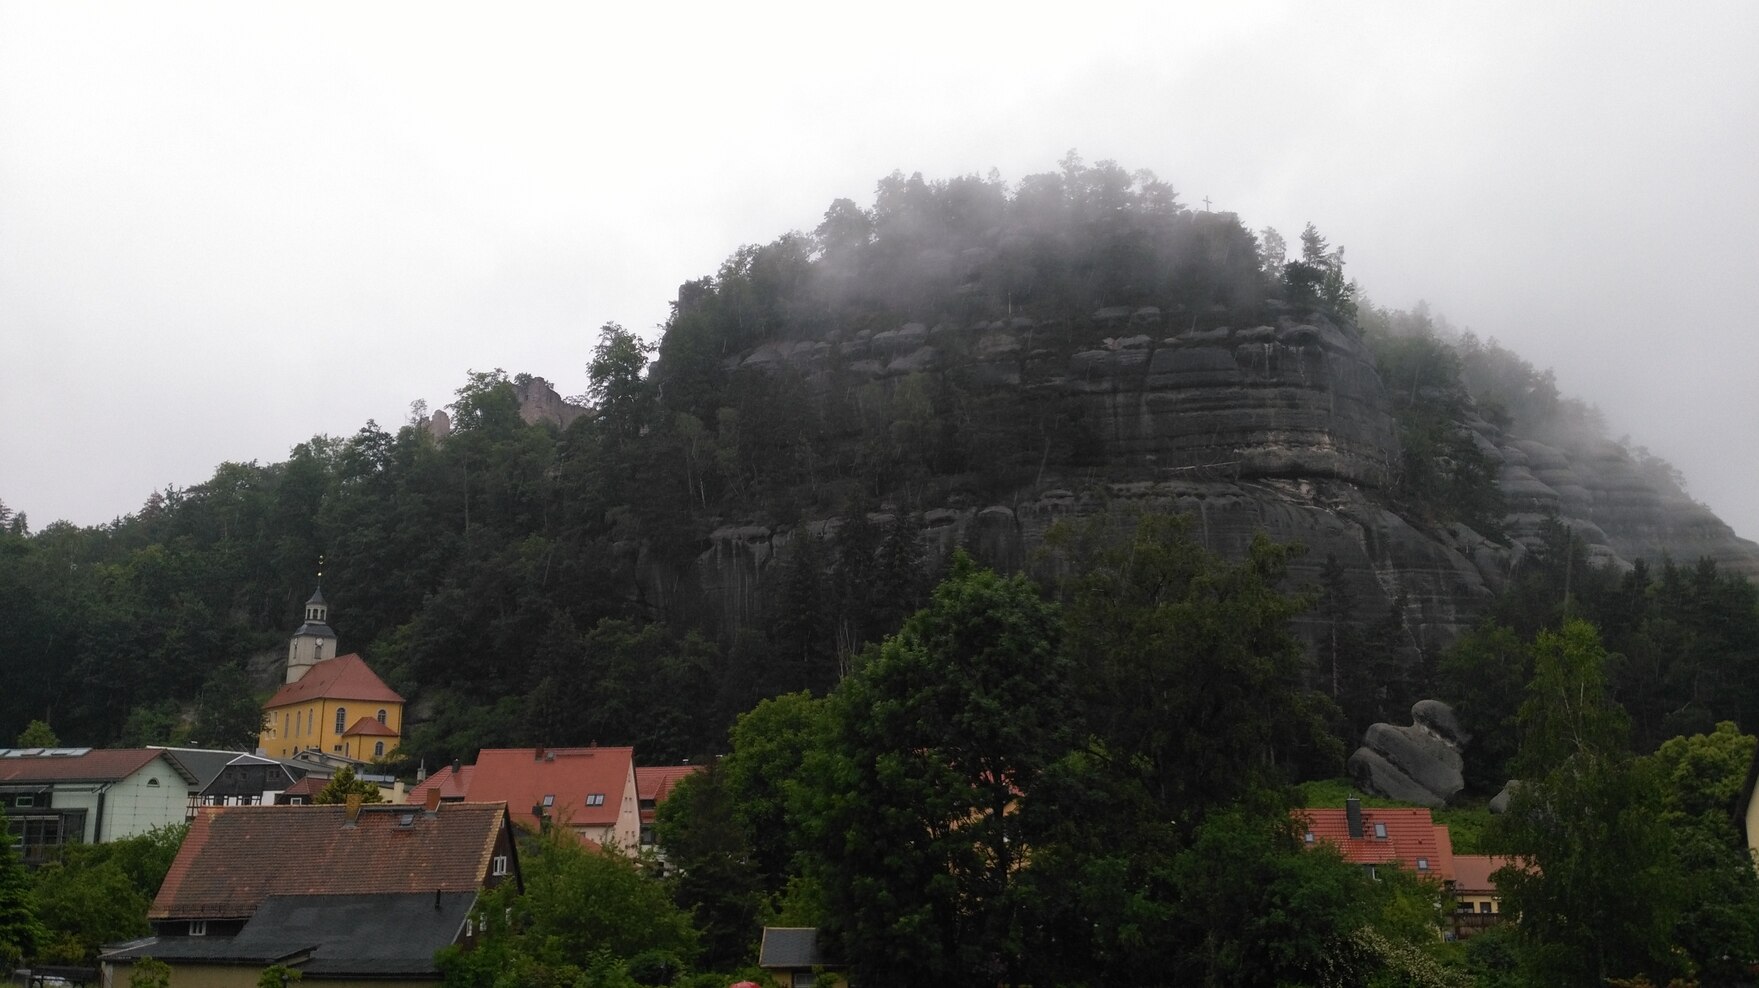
226	228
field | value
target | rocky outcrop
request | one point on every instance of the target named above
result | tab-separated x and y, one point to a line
1419	763
1280	428
539	402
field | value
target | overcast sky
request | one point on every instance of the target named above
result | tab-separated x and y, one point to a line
226	228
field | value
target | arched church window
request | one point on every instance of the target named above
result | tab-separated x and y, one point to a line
341	717
381	715
378	749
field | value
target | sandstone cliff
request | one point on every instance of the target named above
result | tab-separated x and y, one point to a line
1278	428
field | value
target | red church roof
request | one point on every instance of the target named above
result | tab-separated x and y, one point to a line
1409	838
345	677
369	726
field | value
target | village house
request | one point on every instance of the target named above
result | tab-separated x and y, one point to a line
652	786
1410	839
1477	904
792	956
591	791
344	894
56	796
1381	837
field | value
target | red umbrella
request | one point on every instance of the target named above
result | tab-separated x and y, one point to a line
744	984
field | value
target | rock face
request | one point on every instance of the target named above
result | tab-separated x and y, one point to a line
539	402
1275	428
1417	764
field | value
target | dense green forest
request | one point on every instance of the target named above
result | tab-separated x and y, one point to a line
1131	709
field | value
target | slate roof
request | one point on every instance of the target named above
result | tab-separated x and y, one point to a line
95	765
353	934
369	726
236	856
1412	837
345	677
789	947
205	764
522	777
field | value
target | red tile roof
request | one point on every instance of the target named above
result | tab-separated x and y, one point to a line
1472	872
656	782
453	785
95	765
345	677
522	777
1412	836
369	726
653	785
235	856
311	785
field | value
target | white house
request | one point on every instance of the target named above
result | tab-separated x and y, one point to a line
55	796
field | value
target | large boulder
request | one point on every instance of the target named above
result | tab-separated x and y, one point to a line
1419	763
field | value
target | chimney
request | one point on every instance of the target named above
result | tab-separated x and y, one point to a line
432	801
537	754
457	763
351	809
1353	814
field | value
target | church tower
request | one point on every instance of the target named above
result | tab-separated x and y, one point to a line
314	641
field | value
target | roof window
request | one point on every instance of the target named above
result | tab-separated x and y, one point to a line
1380	831
595	799
1422	864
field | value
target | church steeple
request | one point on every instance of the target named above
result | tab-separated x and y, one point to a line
314	641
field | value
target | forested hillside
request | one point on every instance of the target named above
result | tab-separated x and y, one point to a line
826	418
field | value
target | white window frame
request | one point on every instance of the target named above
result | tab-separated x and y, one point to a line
499	865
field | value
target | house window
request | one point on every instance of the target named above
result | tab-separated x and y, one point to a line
1484	907
1422	864
595	799
341	715
1380	831
296	800
378	749
381	715
29	799
804	979
500	867
198	927
470	926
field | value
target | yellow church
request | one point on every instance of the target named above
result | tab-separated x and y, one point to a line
335	705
